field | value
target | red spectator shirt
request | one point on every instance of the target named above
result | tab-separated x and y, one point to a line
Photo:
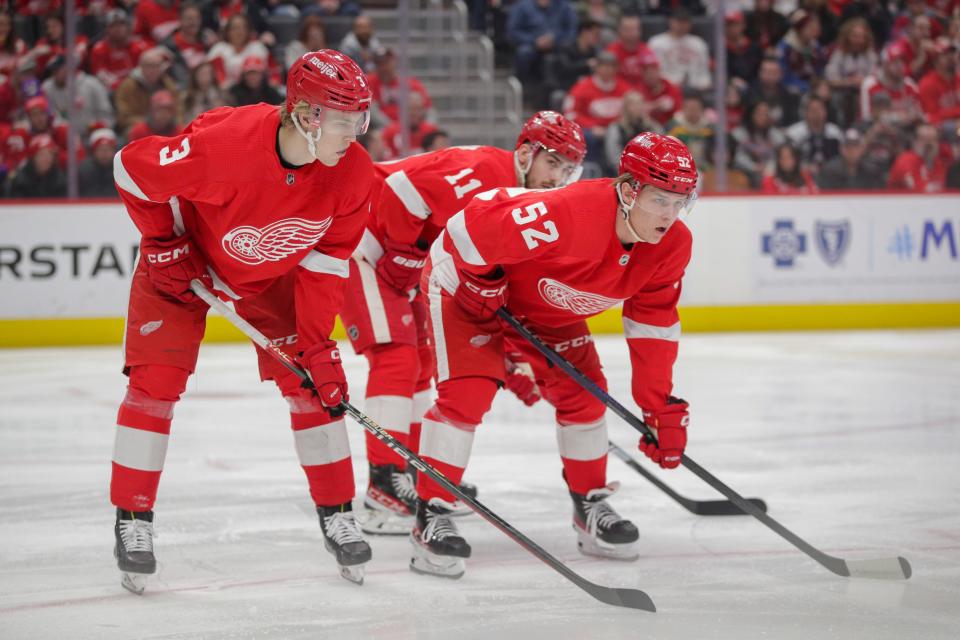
664	102
590	105
940	97
387	96
8	61
17	145
154	22
44	50
632	62
414	197
564	263
252	219
776	186
910	173
391	137
38	7
194	53
905	98
111	65
142	130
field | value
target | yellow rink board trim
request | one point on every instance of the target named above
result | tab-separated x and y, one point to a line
91	331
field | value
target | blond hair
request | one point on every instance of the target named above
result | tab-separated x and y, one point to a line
286	119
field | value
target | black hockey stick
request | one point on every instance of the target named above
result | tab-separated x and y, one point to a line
888	568
699	507
617	596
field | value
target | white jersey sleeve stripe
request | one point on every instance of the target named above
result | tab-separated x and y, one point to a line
634	329
123	179
322	263
457	228
400	184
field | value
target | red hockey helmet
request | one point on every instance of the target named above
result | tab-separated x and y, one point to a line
554	133
327	78
660	161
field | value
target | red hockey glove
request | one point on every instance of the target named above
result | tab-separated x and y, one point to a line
482	296
521	381
669	424
172	264
323	363
400	265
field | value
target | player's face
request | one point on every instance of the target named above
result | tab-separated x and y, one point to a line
549	171
654	212
338	129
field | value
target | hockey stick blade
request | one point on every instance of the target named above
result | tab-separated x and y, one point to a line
698	507
619	597
884	568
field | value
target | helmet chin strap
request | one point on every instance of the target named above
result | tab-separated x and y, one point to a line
625	209
522	171
312	140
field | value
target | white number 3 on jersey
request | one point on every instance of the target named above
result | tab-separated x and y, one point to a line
168	157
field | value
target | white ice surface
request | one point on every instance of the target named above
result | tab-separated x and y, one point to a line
852	438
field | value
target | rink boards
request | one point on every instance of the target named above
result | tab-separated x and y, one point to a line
759	263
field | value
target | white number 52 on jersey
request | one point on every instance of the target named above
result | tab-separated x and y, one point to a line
168	157
531	235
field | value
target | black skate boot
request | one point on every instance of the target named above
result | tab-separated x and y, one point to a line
600	530
389	503
438	548
342	538
459	508
134	548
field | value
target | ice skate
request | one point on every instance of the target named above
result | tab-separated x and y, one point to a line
390	502
438	548
134	549
600	530
342	538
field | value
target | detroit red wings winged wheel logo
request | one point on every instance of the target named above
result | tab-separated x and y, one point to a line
582	303
275	241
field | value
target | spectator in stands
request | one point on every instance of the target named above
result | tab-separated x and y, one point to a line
662	96
360	43
940	89
312	37
876	14
691	126
8	108
813	137
788	175
39	122
576	59
757	140
953	175
155	20
385	86
634	120
737	180
91	100
238	44
606	15
735	100
253	87
743	54
596	100
40	176
883	140
189	43
132	97
801	56
891	80
331	8
538	27
918	46
922	168
436	140
632	53
765	25
829	21
161	119
26	83
910	11
684	57
419	127
848	171
784	104
854	58
96	171
117	54
53	44
373	142
203	92
11	47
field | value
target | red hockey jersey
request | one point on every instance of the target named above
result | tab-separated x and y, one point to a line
254	220
414	197
564	263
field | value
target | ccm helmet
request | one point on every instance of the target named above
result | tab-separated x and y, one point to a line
660	161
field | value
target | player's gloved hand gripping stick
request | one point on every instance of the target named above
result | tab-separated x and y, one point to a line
617	596
888	568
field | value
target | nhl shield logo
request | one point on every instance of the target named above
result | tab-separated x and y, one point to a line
832	240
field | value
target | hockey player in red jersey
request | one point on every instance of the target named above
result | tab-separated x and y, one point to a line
265	205
384	316
556	258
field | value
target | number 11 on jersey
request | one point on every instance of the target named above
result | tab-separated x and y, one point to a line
532	235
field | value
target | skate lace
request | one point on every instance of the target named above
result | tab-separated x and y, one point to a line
137	535
600	515
342	528
403	486
439	527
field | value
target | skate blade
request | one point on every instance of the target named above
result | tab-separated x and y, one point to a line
590	546
431	564
354	574
134	582
384	523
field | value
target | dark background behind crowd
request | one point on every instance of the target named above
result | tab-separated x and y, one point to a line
820	94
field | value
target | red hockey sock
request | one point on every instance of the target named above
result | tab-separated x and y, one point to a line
394	369
584	475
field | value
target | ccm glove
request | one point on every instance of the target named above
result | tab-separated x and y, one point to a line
172	264
482	296
323	363
521	381
400	265
669	424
